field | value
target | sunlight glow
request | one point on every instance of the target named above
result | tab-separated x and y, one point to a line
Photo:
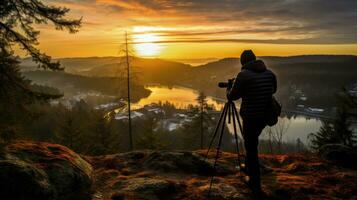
144	44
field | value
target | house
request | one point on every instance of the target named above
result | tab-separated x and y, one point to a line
352	90
303	98
170	124
106	106
134	114
300	107
314	110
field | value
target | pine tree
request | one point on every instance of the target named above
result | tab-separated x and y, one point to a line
202	103
69	130
190	134
102	137
16	29
148	138
337	131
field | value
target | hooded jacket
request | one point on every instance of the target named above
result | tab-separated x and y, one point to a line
255	84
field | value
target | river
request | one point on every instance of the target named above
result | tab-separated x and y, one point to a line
298	126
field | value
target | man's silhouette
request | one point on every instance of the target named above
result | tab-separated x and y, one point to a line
255	84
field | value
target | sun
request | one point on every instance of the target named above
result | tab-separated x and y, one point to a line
145	44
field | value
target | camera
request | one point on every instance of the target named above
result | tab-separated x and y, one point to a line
227	84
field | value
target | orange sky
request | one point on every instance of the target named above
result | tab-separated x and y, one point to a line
185	29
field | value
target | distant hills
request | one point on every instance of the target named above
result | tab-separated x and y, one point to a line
316	75
110	66
71	84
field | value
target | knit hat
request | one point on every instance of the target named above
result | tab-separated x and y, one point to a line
247	56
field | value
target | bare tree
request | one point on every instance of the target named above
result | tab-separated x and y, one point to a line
276	133
269	133
279	130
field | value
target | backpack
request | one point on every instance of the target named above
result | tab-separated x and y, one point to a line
273	112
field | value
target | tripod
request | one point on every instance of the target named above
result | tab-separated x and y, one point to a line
230	111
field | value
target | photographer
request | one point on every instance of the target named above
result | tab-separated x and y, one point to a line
255	84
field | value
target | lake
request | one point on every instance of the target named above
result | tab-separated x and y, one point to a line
181	97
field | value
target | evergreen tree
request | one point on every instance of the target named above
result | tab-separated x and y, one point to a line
337	131
299	145
102	136
190	134
205	119
202	103
148	137
69	131
16	29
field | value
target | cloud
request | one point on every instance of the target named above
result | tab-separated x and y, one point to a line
257	41
255	21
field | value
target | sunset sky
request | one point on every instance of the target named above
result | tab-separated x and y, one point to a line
186	29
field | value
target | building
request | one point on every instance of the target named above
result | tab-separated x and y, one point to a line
314	110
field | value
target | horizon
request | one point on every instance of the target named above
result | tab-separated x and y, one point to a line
194	62
203	58
200	30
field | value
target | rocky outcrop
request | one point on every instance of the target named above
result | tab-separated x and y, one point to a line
43	171
36	171
182	175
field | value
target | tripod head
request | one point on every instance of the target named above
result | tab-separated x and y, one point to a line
227	84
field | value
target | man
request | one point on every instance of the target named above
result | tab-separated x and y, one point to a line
255	84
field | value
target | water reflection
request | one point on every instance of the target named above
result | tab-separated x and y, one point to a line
299	126
179	96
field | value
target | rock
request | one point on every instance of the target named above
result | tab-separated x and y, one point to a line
118	196
144	188
297	167
265	169
35	170
19	180
283	193
329	180
222	191
185	162
185	176
339	154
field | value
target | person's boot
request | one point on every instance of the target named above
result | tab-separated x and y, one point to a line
259	194
256	189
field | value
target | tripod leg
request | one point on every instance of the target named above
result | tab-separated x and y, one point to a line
236	113
217	127
229	112
235	133
217	152
239	123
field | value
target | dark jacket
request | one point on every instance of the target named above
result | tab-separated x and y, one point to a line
255	84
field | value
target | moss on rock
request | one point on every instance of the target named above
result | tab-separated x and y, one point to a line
35	170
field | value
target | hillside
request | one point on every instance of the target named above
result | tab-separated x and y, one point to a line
152	175
147	70
319	77
71	83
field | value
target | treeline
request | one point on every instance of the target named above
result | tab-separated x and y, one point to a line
95	132
70	83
